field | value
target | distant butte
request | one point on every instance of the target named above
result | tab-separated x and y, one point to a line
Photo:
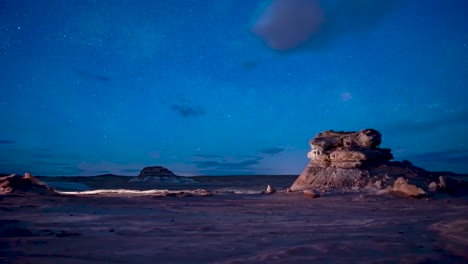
160	174
352	161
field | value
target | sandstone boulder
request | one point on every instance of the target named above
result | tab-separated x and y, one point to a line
270	189
402	186
311	193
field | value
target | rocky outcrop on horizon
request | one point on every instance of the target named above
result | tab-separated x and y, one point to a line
159	174
347	161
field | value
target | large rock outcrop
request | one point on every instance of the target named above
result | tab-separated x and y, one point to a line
354	161
159	174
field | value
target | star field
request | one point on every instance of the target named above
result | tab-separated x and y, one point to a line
96	87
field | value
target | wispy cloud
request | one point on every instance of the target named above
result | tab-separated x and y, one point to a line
449	156
272	150
187	111
416	126
4	141
89	75
228	165
45	156
208	156
106	167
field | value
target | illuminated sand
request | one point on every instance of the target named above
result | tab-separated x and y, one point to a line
142	227
132	193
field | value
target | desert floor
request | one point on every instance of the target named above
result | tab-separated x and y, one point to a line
233	228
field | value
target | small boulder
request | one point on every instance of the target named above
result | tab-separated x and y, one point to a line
453	186
270	189
433	186
442	182
310	193
402	186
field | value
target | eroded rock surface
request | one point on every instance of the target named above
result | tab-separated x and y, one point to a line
347	150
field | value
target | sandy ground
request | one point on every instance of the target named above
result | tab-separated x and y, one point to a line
233	228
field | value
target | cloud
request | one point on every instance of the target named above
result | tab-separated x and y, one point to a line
346	96
412	126
88	75
449	156
9	168
228	165
64	171
45	149
106	167
51	163
286	25
208	156
271	151
131	170
45	156
3	141
155	154
187	111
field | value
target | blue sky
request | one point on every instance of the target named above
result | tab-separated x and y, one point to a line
95	87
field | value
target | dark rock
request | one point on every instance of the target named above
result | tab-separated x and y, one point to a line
16	232
453	186
310	193
14	228
155	171
26	183
65	233
159	174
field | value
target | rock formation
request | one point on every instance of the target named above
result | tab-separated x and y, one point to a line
353	161
155	171
159	174
26	183
347	150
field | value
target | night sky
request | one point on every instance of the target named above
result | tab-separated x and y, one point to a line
104	86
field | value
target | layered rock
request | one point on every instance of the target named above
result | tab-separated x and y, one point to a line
354	161
348	150
159	174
